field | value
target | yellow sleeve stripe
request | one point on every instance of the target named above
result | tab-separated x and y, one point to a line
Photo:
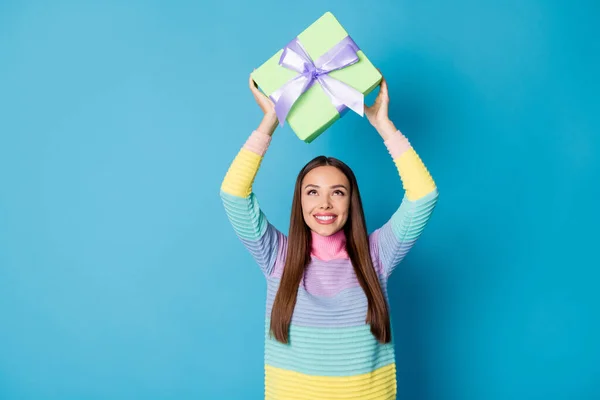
416	180
240	176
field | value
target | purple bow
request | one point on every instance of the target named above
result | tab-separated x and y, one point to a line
296	58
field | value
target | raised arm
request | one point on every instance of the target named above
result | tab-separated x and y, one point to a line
398	235
241	206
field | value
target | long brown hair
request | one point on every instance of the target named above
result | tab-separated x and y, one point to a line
357	247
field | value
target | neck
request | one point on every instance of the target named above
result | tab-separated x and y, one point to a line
329	247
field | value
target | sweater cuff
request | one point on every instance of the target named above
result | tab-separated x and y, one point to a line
258	143
397	144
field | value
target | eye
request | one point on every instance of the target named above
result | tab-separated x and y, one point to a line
341	193
311	191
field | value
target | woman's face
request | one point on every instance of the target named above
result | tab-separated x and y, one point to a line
325	200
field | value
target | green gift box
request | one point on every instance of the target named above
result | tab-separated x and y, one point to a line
313	112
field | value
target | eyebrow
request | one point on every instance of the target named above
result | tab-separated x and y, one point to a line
332	187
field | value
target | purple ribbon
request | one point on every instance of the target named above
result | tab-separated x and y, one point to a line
296	58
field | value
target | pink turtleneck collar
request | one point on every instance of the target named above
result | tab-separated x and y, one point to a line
329	247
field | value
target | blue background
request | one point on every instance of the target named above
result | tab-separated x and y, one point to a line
121	278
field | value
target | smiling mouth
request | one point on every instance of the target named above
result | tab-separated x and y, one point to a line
325	219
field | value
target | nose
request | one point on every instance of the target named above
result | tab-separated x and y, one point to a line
326	203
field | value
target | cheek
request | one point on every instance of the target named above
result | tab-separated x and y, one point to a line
344	205
309	203
306	206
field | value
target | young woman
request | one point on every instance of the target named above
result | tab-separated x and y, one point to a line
327	326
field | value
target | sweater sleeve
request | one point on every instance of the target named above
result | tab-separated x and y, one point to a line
398	235
242	208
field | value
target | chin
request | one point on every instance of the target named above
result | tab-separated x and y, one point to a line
325	231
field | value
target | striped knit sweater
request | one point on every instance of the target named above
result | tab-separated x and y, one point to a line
331	353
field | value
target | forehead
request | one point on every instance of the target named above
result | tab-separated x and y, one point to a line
325	176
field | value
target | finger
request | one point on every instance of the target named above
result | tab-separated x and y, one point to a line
382	77
384	90
380	96
254	88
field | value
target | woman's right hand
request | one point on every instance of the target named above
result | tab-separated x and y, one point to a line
269	122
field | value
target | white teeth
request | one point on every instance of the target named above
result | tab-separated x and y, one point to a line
324	218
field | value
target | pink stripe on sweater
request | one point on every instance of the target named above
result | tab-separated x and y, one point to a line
258	143
328	278
397	144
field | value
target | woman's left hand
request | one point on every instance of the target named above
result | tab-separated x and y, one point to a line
377	113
